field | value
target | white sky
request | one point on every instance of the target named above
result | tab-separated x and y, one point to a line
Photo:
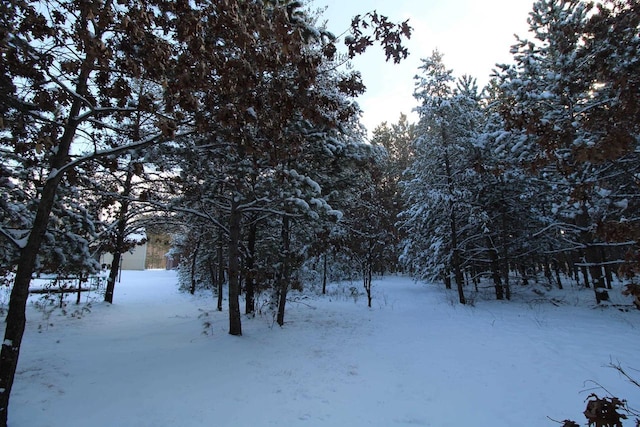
473	35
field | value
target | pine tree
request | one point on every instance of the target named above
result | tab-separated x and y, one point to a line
569	113
437	187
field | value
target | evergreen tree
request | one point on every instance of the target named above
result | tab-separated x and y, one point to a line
569	111
437	185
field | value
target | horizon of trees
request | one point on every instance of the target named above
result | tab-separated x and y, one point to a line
537	174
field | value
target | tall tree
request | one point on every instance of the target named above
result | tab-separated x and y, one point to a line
64	67
437	186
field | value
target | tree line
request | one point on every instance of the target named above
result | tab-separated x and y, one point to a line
537	174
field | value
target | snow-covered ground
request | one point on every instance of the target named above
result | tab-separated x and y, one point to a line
415	358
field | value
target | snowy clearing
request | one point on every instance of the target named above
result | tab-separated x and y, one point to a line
416	358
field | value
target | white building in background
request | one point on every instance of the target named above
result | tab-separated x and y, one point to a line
135	259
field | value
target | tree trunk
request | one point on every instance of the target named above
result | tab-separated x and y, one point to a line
495	272
523	272
194	262
547	271
212	273
235	219
585	276
504	237
81	280
113	277
16	317
283	286
367	273
592	257
250	302
446	276
221	264
594	262
455	257
120	237
556	269
324	275
607	269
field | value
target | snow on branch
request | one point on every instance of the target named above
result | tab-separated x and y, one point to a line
157	138
18	243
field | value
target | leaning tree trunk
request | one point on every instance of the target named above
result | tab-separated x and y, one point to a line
235	218
16	316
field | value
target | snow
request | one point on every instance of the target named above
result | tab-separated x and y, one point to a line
415	358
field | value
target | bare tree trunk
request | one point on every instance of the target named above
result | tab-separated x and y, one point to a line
212	273
504	237
607	268
250	301
194	262
324	274
81	280
221	269
283	286
113	276
367	275
235	219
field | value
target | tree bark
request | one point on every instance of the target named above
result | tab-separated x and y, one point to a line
221	264
324	274
250	301
194	263
235	219
367	275
283	286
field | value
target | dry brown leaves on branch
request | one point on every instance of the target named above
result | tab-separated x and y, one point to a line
603	412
